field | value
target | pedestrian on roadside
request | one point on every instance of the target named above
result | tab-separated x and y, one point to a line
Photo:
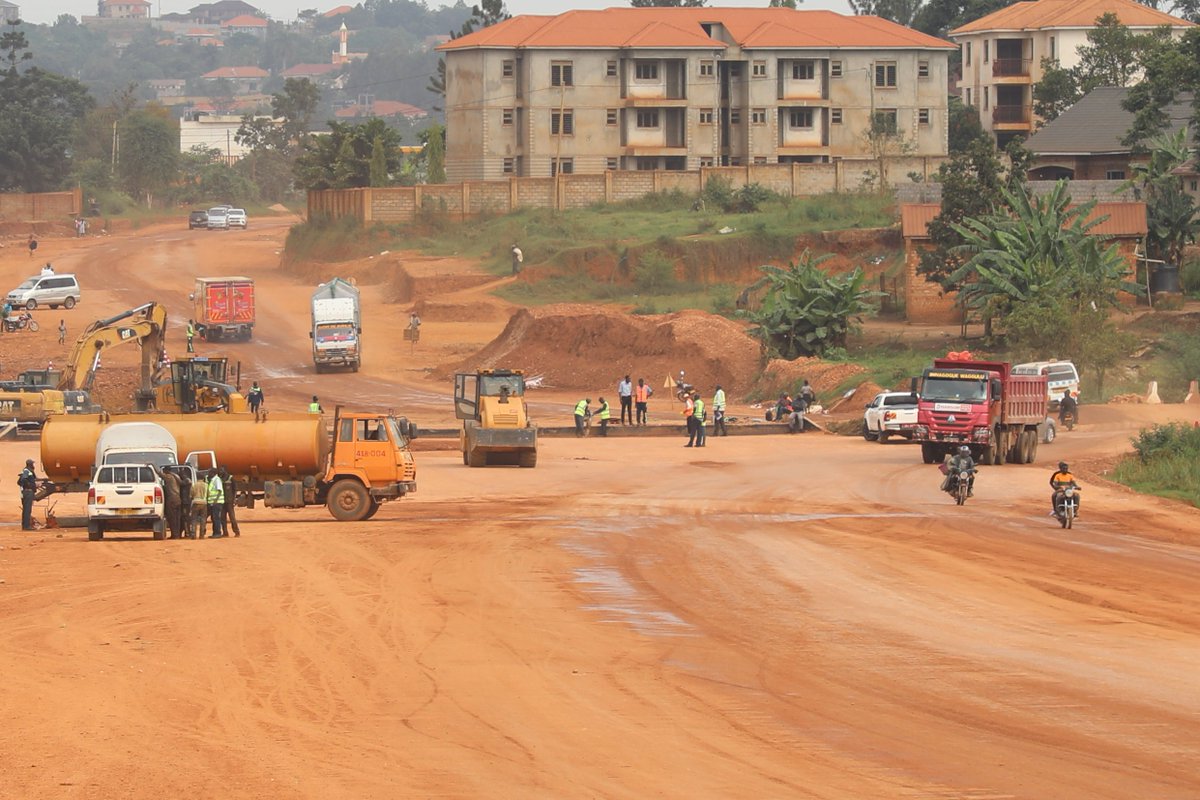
62	331
255	397
690	418
605	415
172	501
625	393
698	414
198	508
581	414
807	394
718	403
216	504
231	523
5	310
518	258
27	480
315	406
32	244
191	334
641	396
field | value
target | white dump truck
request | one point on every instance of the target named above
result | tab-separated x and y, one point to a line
336	326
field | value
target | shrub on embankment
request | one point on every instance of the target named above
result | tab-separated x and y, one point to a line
1164	463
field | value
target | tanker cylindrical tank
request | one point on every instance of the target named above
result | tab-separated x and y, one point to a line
281	446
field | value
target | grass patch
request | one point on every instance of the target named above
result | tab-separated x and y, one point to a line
890	365
1165	463
575	288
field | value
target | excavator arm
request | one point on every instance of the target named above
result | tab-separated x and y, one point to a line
146	325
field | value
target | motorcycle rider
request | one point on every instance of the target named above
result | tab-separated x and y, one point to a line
1068	405
1059	481
960	462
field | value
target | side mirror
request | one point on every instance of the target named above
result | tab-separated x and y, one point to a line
411	431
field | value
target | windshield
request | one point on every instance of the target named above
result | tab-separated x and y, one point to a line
490	385
394	427
159	458
216	212
333	333
947	390
29	284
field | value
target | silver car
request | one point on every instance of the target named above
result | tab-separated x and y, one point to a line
218	218
46	290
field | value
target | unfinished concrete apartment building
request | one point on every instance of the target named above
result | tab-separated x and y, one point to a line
684	88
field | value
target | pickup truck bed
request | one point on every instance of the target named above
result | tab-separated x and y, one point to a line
890	414
125	497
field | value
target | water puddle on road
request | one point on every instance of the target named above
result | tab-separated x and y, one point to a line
618	601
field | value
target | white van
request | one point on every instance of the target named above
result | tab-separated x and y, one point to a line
46	290
1060	376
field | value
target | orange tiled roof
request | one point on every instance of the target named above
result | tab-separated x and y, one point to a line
1124	219
245	21
308	70
772	28
1037	14
381	108
237	72
333	12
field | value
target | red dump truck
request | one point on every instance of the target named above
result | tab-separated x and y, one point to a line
224	308
983	405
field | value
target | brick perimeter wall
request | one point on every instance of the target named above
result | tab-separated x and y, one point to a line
20	207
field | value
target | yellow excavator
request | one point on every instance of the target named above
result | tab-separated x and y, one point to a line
195	384
496	425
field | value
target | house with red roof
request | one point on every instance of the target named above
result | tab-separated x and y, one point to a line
247	24
380	108
246	80
124	9
684	88
1002	53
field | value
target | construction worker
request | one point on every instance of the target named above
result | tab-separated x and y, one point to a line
581	415
231	523
719	412
315	406
27	480
641	396
625	393
255	397
172	501
191	334
198	508
689	416
216	504
698	415
605	415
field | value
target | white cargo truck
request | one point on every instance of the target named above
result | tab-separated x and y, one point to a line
336	326
126	492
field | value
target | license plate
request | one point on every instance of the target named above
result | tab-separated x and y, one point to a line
128	510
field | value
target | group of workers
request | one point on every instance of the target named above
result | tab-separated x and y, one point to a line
635	399
189	504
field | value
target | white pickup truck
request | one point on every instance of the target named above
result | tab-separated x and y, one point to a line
890	414
126	492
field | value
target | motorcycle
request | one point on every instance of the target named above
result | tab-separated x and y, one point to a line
20	322
683	390
958	484
1067	420
1066	504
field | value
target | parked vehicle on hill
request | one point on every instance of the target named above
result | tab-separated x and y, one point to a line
890	414
46	290
197	219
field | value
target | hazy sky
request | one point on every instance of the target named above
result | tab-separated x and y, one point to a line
44	11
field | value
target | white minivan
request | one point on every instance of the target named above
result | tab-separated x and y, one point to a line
1060	376
46	290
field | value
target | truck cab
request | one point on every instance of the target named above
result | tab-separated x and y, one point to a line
496	424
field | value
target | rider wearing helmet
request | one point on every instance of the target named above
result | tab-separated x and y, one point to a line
959	462
1058	481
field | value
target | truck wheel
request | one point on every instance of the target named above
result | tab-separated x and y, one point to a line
354	367
95	531
477	458
159	529
528	458
69	303
348	501
866	432
882	437
372	508
464	458
928	454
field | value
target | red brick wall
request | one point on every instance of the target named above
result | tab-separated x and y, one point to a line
923	300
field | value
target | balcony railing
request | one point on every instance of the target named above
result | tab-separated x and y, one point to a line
1012	114
1010	68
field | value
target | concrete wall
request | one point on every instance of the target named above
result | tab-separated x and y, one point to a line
469	198
45	206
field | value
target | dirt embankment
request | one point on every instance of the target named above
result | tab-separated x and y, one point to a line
587	348
825	376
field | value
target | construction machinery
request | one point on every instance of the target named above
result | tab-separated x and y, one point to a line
496	425
197	384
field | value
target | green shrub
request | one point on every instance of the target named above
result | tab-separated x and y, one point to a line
718	193
654	273
1189	276
1165	463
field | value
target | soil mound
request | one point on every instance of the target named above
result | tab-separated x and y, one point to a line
439	311
825	376
589	348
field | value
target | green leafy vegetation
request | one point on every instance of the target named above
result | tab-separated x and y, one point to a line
1165	463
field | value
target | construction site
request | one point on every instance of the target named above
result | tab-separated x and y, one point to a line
441	590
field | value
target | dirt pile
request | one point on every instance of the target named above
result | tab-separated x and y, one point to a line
588	348
1126	399
825	376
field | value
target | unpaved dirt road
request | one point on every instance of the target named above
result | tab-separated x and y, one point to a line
776	617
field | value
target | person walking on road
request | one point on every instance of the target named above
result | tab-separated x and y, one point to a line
32	244
641	396
62	331
518	258
718	403
625	393
605	416
172	501
191	334
698	414
315	406
690	417
231	523
27	480
255	397
216	504
198	508
581	415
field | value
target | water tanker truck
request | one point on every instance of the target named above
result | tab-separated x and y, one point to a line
286	460
980	404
